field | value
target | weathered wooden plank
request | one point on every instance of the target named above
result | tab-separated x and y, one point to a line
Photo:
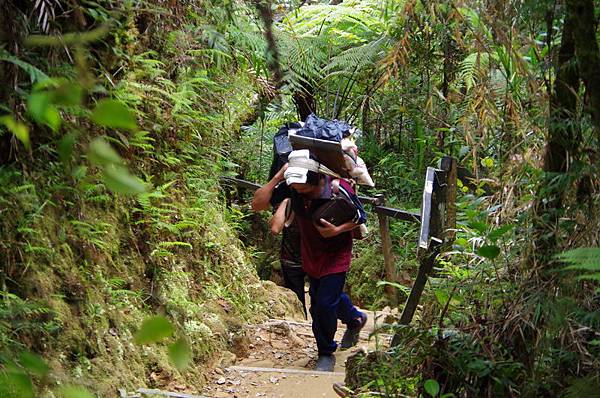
329	153
426	265
369	200
398	214
438	207
153	392
449	165
284	370
430	238
388	260
241	183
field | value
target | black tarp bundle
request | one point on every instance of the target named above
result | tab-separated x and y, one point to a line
330	130
282	147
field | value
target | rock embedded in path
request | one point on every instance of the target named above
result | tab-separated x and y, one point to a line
296	341
240	345
221	381
227	359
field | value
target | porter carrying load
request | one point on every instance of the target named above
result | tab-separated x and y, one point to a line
331	142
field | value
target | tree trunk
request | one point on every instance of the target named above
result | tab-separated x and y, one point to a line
264	10
562	136
588	55
9	73
561	147
305	101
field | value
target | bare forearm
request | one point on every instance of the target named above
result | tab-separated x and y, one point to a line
277	222
328	230
348	226
262	196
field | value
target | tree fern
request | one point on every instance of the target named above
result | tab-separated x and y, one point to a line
357	20
358	58
313	37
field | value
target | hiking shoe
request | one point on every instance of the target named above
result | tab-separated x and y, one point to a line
350	337
325	363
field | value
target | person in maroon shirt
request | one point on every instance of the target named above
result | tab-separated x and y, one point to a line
326	251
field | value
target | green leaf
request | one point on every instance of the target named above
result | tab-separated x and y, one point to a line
432	387
180	354
402	288
66	39
74	392
114	114
154	329
498	232
102	154
590	277
34	364
119	180
67	94
479	226
65	147
462	242
15	385
487	162
43	111
35	74
489	251
441	296
79	172
18	129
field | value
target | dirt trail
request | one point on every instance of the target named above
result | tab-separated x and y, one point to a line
279	362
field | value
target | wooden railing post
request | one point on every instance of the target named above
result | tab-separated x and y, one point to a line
438	222
449	166
388	260
433	213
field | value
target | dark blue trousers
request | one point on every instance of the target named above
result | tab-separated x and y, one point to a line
293	277
328	304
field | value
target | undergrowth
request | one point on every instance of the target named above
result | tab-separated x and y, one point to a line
111	216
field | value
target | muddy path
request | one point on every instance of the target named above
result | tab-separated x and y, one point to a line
278	359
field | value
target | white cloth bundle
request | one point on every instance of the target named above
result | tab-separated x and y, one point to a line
354	164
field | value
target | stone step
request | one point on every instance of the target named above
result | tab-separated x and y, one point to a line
149	392
283	370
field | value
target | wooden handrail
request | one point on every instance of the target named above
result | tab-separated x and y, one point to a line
375	202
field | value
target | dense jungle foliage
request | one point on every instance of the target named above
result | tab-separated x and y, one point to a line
121	263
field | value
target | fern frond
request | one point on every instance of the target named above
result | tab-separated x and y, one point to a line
582	258
470	69
358	58
357	21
